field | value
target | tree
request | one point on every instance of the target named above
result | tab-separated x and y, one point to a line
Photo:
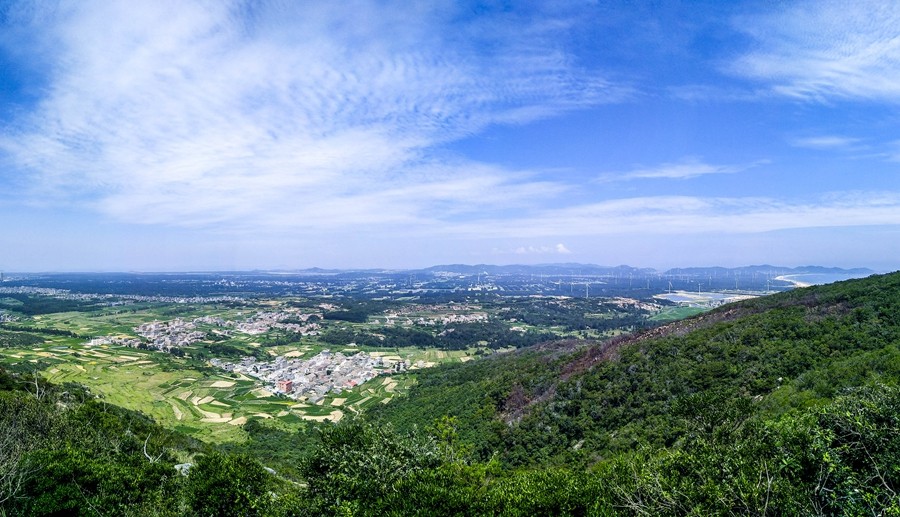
224	485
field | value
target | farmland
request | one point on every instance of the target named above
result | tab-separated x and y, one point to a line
185	393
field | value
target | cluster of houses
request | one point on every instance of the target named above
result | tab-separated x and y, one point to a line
115	340
452	318
4	317
453	313
166	335
169	335
631	303
43	291
312	379
114	299
262	322
172	335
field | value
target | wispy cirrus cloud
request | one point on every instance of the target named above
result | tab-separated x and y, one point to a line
689	215
826	50
827	142
706	93
684	169
282	116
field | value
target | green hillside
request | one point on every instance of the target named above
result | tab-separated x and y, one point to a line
742	367
784	405
552	406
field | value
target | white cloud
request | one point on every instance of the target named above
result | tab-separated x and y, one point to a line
706	93
826	142
687	215
559	249
824	50
302	116
685	169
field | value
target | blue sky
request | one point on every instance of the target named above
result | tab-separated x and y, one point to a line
161	136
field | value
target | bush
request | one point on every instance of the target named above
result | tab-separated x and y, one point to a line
223	485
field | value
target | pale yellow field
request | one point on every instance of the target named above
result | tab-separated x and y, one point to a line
222	384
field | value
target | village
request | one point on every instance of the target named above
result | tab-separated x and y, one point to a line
114	299
178	333
438	315
172	334
310	380
437	320
262	322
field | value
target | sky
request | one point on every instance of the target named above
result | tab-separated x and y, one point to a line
237	135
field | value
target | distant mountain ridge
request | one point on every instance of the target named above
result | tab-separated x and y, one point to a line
547	269
594	269
769	269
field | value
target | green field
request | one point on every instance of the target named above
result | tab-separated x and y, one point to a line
204	403
113	321
676	313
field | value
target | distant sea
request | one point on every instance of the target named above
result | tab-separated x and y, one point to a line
822	278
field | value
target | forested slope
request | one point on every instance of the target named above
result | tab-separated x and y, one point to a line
64	452
785	351
780	405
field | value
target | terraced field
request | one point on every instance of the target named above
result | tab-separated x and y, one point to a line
204	402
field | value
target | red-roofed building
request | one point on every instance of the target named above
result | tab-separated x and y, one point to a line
285	386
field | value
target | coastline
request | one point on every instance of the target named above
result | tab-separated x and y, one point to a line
796	283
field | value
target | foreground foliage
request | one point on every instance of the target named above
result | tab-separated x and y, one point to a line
840	459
